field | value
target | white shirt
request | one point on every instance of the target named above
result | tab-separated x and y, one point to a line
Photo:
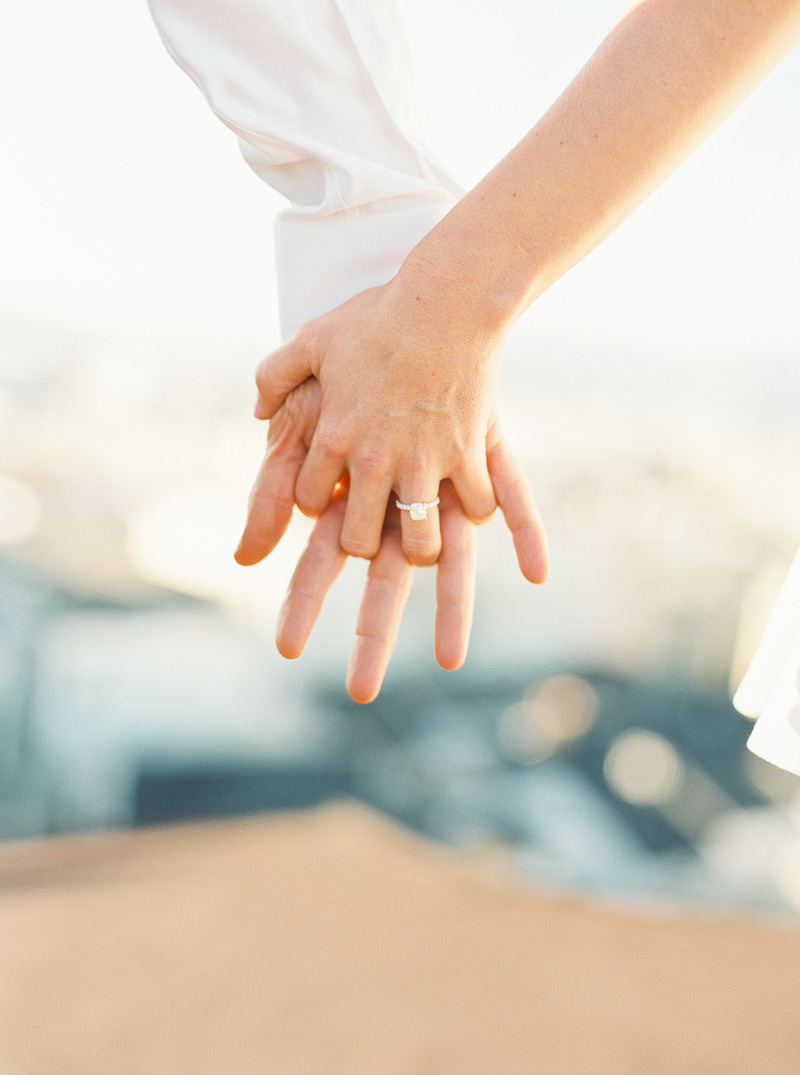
320	96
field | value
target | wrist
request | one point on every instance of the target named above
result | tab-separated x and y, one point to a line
472	267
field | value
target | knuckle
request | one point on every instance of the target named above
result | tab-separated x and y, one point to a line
334	442
311	511
462	457
372	464
421	552
301	410
306	336
264	499
309	501
484	508
360	547
310	340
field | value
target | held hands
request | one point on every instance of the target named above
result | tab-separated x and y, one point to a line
388	583
385	593
407	381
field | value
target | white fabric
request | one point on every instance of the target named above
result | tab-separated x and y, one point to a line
770	689
320	95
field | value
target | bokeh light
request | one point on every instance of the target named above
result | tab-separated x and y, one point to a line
20	510
553	712
643	768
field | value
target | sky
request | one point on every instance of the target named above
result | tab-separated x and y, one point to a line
127	205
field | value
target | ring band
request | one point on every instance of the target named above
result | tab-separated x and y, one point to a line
417	511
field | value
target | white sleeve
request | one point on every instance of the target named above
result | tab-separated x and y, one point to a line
320	95
770	689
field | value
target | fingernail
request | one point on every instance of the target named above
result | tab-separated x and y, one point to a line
258	411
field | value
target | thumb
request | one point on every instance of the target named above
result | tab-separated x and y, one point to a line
278	374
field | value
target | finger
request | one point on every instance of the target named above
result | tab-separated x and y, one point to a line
455	583
422	541
279	373
322	469
316	571
517	505
366	511
272	497
269	508
473	487
385	595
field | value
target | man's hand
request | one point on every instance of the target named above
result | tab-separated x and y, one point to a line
385	593
272	497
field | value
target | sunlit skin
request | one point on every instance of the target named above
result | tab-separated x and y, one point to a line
385	593
408	370
389	575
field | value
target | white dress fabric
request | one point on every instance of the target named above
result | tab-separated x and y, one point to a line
320	96
770	689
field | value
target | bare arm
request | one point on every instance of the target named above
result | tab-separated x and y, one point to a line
408	370
668	74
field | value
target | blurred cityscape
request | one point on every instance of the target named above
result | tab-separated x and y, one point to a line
588	744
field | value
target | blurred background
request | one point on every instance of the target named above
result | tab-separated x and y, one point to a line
653	395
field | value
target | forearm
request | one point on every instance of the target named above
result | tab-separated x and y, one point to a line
407	371
663	79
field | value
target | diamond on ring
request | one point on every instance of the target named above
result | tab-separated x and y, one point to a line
418	512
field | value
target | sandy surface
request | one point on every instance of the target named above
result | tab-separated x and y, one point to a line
333	943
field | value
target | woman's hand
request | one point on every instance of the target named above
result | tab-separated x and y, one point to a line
291	432
407	375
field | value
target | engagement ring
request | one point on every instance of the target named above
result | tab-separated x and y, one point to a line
417	511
